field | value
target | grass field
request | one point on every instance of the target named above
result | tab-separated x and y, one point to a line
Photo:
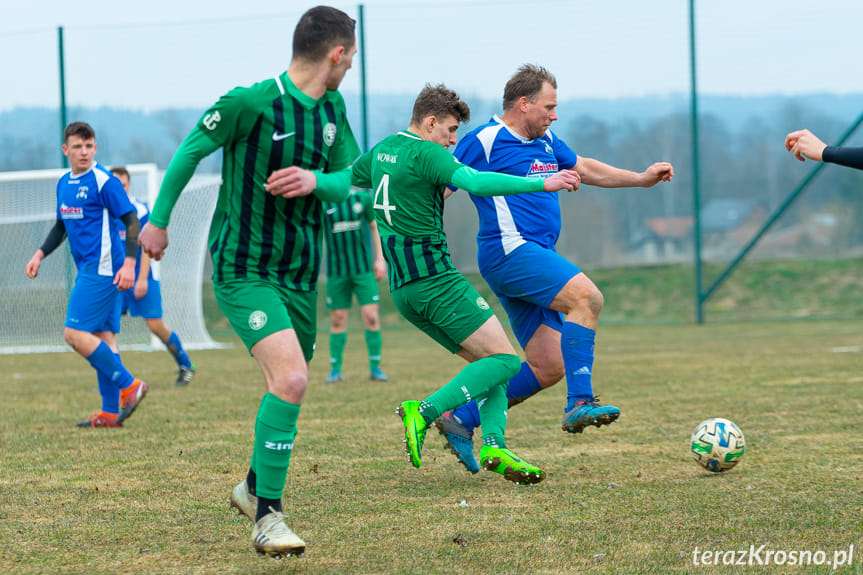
153	497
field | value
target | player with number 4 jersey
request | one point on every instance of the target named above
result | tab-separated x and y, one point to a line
409	172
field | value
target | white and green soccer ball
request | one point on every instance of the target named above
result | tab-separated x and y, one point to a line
717	444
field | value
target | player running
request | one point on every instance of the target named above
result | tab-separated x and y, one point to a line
552	305
265	239
409	172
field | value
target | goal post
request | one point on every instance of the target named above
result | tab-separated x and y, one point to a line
32	312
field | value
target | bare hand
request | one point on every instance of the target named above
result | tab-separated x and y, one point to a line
141	287
32	267
380	269
153	240
291	182
125	278
658	172
568	180
804	144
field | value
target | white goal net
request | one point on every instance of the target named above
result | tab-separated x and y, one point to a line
32	312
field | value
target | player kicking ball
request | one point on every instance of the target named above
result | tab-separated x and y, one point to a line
409	172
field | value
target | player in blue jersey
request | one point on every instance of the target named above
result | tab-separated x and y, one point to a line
552	305
91	204
145	298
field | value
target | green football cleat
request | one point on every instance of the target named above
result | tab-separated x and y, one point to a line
513	468
415	430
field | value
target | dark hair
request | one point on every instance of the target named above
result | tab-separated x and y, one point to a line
81	129
319	30
120	171
526	82
439	101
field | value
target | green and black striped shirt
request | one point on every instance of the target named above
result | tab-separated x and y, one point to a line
262	128
347	235
408	175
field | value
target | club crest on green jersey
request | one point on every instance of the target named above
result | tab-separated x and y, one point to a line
329	134
257	320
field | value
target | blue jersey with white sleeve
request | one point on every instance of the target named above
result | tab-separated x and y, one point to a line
90	205
507	222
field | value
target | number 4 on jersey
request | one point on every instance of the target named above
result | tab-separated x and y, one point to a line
384	187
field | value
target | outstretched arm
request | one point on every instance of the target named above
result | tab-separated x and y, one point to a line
596	173
494	184
806	145
293	181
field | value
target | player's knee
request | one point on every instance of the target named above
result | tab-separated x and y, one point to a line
549	372
595	301
510	363
289	386
69	337
372	322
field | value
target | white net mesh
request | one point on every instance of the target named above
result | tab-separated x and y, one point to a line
32	312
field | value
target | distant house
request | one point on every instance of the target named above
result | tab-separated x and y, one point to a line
664	240
728	224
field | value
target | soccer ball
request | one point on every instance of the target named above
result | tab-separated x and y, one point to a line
717	444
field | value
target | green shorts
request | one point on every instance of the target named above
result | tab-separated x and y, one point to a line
341	289
444	306
257	308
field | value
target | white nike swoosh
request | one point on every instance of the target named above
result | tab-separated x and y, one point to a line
331	211
277	137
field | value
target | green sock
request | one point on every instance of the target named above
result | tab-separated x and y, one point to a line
275	429
473	382
492	416
337	349
374	343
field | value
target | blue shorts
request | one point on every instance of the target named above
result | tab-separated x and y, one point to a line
526	281
94	304
149	306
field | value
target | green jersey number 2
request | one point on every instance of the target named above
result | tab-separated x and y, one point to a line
384	189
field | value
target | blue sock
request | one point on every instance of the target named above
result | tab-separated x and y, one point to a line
523	385
110	394
576	345
176	349
107	363
520	387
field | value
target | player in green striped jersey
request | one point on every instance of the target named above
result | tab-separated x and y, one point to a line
409	172
351	234
266	243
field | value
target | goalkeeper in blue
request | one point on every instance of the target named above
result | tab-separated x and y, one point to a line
552	305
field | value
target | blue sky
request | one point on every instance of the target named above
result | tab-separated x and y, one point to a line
187	53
